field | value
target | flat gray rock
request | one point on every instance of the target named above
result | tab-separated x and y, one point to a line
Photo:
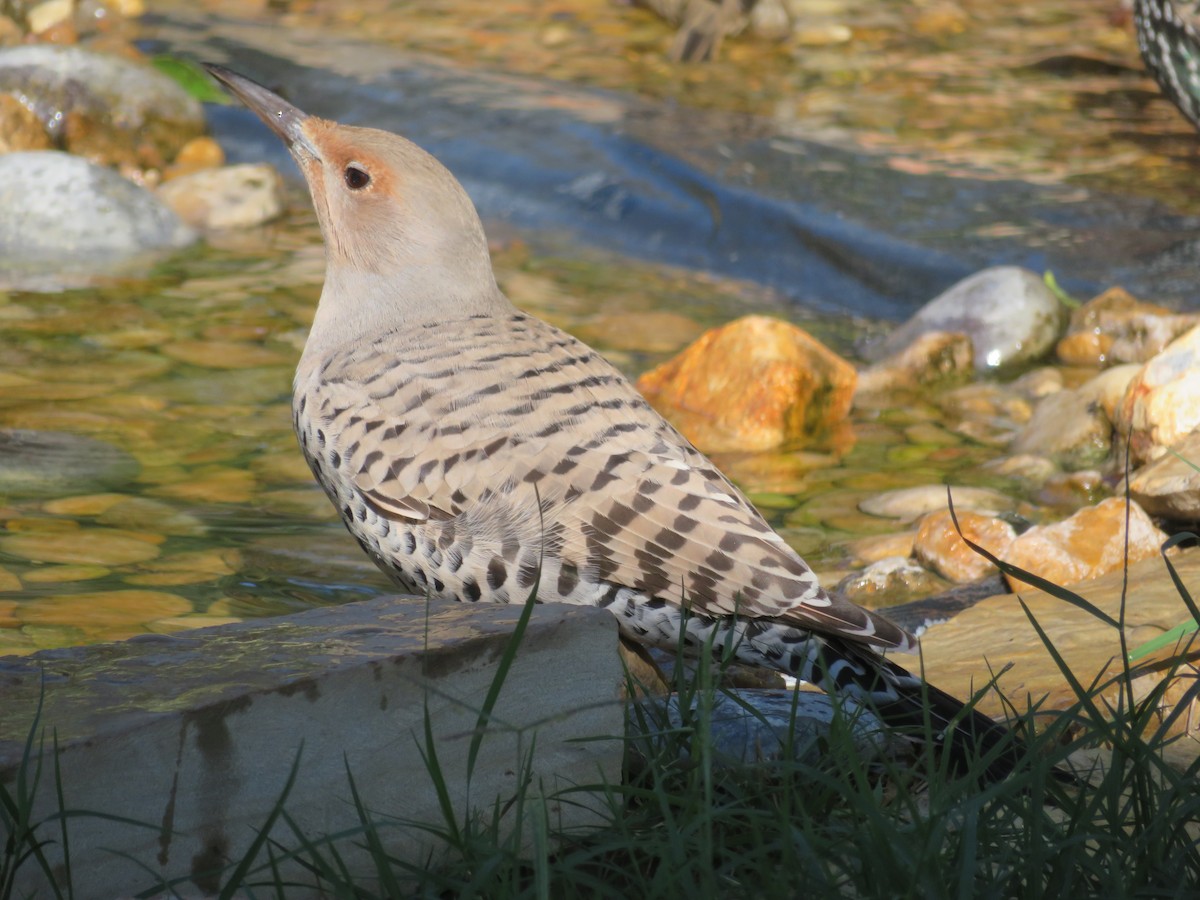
63	218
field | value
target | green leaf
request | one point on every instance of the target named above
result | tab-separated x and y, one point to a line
1167	638
191	78
1063	297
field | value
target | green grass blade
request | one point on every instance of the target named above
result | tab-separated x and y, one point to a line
506	660
62	805
437	777
374	845
1175	634
234	883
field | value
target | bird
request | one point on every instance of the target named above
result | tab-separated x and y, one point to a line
1168	35
476	452
703	25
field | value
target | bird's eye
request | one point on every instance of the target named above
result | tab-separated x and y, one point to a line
356	178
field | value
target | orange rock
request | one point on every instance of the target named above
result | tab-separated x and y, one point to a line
1084	348
1161	405
939	547
753	384
20	128
1089	544
198	153
873	548
1116	327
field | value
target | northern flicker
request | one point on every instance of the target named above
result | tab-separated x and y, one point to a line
1168	33
472	449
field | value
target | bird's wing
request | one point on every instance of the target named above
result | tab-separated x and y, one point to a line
677	529
563	437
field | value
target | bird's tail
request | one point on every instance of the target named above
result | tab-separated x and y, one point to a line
972	743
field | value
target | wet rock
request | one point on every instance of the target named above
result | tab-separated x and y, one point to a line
1068	428
11	33
1170	486
1108	388
1039	383
1161	405
1032	470
873	548
918	615
1087	545
986	412
144	513
939	547
932	357
20	129
1116	327
104	107
1008	312
821	35
8	582
907	504
1084	348
63	218
214	485
894	579
54	464
193	567
83	504
226	354
194	156
1070	491
65	574
753	384
940	20
230	197
770	19
751	726
131	9
48	14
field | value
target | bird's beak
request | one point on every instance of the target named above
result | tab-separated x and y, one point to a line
281	117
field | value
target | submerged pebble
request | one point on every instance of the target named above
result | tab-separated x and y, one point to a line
52	463
103	609
93	546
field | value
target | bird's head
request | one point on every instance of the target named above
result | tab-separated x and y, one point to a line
399	229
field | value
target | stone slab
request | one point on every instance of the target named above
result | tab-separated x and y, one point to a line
195	733
961	655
